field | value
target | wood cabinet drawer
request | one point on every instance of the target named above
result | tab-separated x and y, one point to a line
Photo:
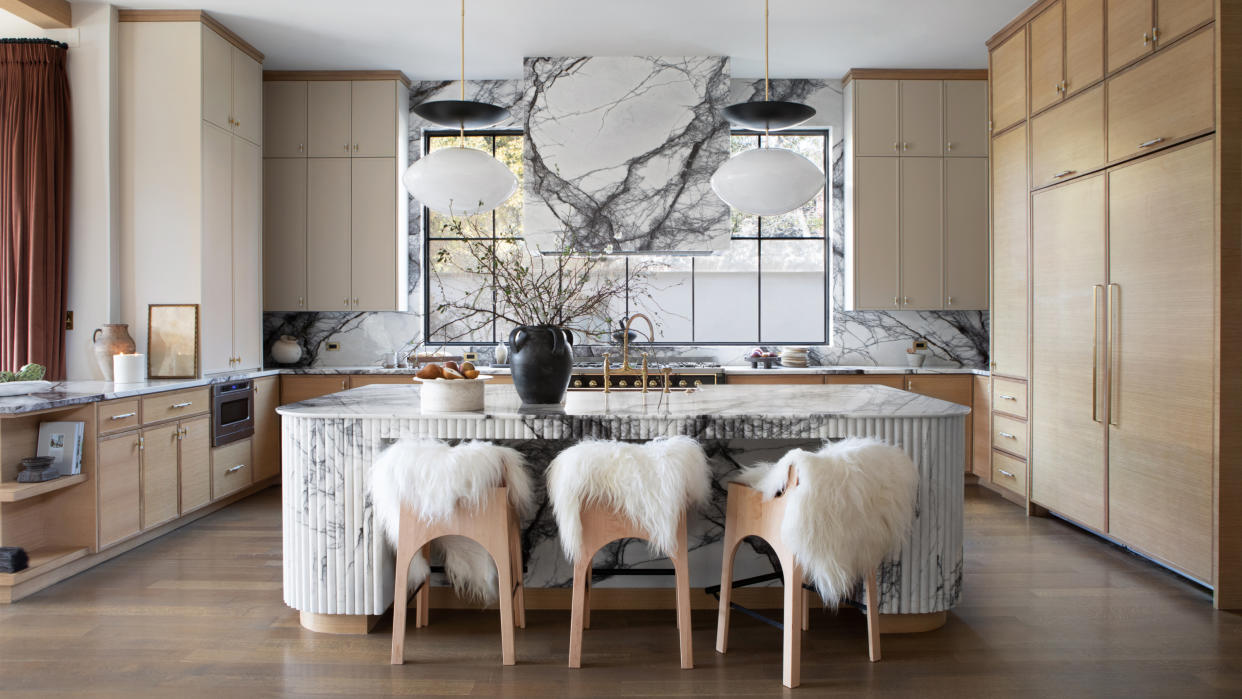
294	389
890	380
955	389
775	378
358	380
118	415
1009	472
1009	396
1068	140
1009	434
1166	98
175	404
231	468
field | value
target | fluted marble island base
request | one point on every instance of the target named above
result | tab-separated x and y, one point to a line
336	564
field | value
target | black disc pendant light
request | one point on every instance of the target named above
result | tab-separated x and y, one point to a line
462	113
768	115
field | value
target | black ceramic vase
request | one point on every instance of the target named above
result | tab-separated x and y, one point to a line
542	358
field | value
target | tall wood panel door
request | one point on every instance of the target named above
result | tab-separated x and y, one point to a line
966	233
374	109
328	182
374	225
875	233
922	118
284	234
1162	308
1009	253
117	468
195	463
922	232
266	440
247	97
1129	25
879	133
284	122
159	475
247	254
1084	44
217	79
1047	56
965	118
1067	459
328	122
1007	87
1175	18
216	312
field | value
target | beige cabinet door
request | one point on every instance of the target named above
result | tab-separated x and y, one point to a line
266	440
284	234
922	117
159	475
247	97
328	130
1084	44
1007	87
966	118
966	233
195	463
1129	25
374	118
374	226
117	466
1067	402
876	286
216	311
1139	119
1009	254
1161	260
247	252
1047	56
876	130
284	119
217	79
1068	140
1175	18
328	183
922	233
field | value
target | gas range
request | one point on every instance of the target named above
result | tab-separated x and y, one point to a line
592	378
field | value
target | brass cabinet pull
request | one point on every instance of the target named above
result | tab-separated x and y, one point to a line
300	147
300	302
1006	474
142	443
1146	38
950	301
122	416
356	301
905	145
1152	142
1063	173
1058	87
346	147
896	300
1006	435
896	145
234	469
1114	300
949	146
355	147
1155	34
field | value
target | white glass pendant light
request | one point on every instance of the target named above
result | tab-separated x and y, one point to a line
767	181
460	181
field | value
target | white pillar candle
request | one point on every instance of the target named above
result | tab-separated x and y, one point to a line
129	368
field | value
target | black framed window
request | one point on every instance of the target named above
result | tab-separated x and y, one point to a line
770	286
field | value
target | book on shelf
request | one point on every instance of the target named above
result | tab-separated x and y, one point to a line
62	441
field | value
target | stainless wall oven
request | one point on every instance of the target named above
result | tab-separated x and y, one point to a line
232	412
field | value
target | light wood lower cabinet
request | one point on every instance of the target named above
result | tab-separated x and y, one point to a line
266	440
373	379
953	388
195	463
890	380
294	389
160	492
232	468
118	466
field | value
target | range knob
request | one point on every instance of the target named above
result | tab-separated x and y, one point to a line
622	383
698	382
652	382
593	383
681	384
577	383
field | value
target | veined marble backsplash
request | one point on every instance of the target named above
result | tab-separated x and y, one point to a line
878	338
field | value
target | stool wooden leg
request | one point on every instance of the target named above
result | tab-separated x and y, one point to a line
405	554
792	669
515	553
726	575
422	598
806	609
681	566
872	598
582	570
504	578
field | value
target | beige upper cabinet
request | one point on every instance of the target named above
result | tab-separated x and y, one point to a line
328	256
1175	18
329	105
216	317
879	133
1047	57
217	79
922	232
374	111
1084	44
874	248
247	212
1010	195
247	97
966	233
284	234
284	128
373	220
965	118
1129	31
1007	88
922	118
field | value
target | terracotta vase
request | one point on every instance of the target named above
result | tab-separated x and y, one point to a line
111	339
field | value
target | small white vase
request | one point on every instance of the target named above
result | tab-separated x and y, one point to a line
916	359
502	353
286	350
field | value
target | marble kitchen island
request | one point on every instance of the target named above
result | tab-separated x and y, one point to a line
338	571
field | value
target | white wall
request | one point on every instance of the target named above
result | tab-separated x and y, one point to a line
93	259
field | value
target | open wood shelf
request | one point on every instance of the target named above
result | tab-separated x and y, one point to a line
44	560
13	491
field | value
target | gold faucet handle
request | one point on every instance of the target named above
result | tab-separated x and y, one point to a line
607	371
667	372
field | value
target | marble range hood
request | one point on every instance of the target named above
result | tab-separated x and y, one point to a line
619	153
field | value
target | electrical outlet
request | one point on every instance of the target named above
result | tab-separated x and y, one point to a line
333	346
68	320
920	345
470	356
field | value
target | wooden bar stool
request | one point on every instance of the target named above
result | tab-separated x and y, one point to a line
474	492
605	491
859	494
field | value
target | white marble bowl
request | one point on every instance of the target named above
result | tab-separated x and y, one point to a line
451	395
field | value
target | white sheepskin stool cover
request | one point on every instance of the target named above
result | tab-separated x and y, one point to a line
435	479
651	483
852	507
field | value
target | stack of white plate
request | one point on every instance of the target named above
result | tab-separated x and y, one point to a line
794	356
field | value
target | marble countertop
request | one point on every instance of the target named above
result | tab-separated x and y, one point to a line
715	402
737	369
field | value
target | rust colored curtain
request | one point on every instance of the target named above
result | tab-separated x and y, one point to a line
34	203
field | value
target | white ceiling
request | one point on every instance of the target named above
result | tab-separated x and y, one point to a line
809	38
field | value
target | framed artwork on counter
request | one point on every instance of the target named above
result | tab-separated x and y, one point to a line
172	341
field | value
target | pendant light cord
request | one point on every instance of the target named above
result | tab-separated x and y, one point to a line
463	67
766	95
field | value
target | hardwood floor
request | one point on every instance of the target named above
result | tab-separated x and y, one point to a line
1046	611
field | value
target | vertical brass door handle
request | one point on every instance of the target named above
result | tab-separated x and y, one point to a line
1114	350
